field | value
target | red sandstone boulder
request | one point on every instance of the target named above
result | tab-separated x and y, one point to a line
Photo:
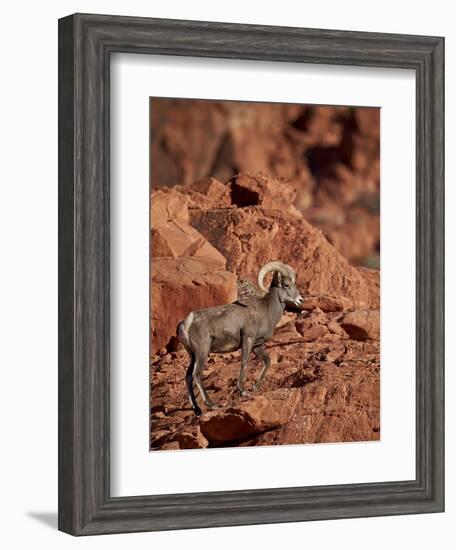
175	238
192	438
254	416
317	332
181	285
286	331
167	205
335	328
362	324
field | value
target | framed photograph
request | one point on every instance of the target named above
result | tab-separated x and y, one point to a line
251	274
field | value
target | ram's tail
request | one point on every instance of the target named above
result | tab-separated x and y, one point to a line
183	331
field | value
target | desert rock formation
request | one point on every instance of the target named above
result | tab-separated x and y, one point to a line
208	240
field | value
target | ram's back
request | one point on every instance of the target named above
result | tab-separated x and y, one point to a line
218	328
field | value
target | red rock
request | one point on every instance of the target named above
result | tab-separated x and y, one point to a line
364	156
343	186
368	121
335	403
358	236
255	139
316	332
208	192
167	205
335	328
181	285
175	238
286	337
321	126
158	437
367	351
345	410
186	135
286	331
334	353
250	417
192	438
261	190
326	303
287	317
372	277
170	446
252	236
362	324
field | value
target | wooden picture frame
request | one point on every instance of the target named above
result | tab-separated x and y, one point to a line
85	45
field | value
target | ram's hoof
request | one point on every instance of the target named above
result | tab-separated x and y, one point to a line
197	411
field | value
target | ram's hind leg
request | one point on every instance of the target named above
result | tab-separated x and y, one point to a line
246	348
189	384
262	354
200	362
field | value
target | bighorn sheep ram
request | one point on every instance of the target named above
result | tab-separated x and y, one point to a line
244	325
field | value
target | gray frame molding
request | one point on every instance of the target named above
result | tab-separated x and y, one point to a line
85	45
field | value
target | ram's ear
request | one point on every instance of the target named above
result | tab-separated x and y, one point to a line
276	279
279	278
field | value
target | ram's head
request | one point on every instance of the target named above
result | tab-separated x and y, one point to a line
284	279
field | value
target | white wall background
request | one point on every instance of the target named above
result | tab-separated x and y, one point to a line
28	278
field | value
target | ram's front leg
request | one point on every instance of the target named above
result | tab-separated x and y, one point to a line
246	348
262	354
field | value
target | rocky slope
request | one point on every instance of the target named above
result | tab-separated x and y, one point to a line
323	386
208	240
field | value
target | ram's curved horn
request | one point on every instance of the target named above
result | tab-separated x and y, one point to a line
282	268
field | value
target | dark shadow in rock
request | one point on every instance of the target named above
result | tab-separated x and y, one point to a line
240	196
301	379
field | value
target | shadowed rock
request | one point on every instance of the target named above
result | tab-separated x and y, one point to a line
250	417
362	325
